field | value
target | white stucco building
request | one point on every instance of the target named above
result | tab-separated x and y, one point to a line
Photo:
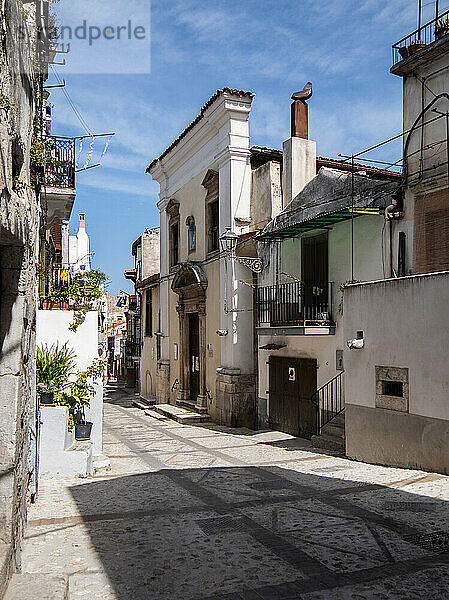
206	327
76	253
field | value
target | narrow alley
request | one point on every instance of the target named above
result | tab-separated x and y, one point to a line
203	511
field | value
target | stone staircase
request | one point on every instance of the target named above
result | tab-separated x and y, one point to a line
332	436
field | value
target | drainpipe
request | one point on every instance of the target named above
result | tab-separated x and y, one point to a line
389	216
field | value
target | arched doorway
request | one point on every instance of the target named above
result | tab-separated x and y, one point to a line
190	283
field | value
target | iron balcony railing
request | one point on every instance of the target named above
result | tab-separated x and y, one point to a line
295	303
416	41
133	348
329	400
60	162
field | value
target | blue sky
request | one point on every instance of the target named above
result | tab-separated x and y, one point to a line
198	46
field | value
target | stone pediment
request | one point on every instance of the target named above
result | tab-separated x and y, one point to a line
190	280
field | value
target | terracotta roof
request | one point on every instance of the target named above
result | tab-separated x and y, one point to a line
262	154
211	100
341	165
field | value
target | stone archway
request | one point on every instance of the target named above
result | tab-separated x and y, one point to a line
190	284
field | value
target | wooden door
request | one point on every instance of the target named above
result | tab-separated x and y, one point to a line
292	381
194	356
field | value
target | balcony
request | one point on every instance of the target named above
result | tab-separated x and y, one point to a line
59	178
133	348
417	41
307	307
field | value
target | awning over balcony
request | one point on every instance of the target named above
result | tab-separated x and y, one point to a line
327	200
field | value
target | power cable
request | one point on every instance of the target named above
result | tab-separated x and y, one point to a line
72	104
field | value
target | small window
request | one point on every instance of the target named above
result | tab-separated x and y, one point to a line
149	313
393	388
158	339
213	226
174	244
191	232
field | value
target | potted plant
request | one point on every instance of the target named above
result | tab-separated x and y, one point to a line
54	364
442	28
76	395
84	290
403	51
416	46
46	394
83	428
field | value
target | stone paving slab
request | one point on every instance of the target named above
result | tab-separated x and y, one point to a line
29	586
192	512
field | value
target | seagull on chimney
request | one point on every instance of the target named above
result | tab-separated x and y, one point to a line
304	94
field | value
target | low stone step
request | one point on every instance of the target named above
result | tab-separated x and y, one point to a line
180	415
143	403
328	442
334	429
29	586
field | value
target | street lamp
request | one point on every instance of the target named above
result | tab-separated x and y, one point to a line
228	242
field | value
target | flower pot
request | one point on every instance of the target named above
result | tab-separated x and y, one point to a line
46	398
439	33
83	430
416	47
403	51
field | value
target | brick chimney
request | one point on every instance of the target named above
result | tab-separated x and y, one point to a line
299	162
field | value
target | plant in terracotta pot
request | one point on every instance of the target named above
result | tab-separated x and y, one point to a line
416	46
84	290
403	51
442	28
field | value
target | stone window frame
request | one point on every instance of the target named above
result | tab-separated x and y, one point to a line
149	312
211	183
172	211
397	374
190	222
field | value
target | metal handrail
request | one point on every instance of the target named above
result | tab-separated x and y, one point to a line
295	303
60	166
424	33
329	400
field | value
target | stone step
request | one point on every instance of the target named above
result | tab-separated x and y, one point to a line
29	586
340	418
328	442
190	406
334	429
143	403
180	415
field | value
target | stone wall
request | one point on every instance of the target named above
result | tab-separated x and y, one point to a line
163	382
235	403
18	242
397	384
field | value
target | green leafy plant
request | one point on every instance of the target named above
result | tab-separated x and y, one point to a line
80	292
54	365
442	27
56	372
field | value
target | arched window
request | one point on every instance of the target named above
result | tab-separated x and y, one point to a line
191	232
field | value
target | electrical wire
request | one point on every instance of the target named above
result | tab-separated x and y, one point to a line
72	105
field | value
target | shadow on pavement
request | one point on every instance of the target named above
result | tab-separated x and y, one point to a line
264	533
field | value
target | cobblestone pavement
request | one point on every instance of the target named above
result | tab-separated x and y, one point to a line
206	512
